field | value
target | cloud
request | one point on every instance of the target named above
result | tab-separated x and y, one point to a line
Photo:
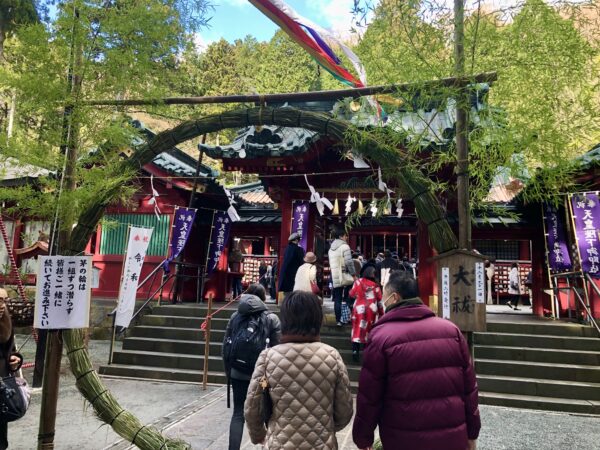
201	43
335	15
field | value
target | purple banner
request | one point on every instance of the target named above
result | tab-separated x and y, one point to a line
220	236
558	250
182	227
586	214
300	221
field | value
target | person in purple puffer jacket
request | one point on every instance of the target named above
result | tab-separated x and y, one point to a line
417	382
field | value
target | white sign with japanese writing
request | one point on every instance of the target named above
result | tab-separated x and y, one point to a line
445	292
139	238
479	282
63	292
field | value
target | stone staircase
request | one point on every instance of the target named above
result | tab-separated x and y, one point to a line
539	365
169	345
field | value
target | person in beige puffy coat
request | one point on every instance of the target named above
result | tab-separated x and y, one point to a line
308	382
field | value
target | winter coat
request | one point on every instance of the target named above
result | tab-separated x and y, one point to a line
417	383
293	258
306	274
514	282
7	345
367	307
340	250
251	305
310	391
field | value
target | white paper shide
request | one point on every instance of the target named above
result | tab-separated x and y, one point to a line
139	238
63	292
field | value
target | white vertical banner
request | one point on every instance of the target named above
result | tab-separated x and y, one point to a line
479	282
139	238
63	292
446	292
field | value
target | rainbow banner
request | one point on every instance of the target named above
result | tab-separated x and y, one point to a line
312	38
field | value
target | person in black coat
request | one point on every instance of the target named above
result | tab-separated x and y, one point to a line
10	360
293	258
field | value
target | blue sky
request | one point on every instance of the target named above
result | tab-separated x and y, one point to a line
234	19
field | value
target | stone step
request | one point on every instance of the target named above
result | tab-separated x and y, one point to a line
546	371
537	355
537	341
156	320
550	328
161	373
183	347
175	333
178	361
166	374
542	403
539	387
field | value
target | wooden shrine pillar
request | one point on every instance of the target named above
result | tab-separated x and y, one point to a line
312	219
427	276
286	227
267	247
538	297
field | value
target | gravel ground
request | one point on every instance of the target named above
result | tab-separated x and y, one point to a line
202	419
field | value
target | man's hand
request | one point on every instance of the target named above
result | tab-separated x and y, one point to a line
472	444
14	362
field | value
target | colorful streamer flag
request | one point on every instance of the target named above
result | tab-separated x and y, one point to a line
182	227
311	37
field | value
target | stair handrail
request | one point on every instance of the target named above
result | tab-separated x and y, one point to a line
597	289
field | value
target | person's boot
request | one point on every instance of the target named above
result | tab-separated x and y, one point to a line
355	356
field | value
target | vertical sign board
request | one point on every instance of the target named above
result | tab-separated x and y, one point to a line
558	249
461	285
586	217
182	227
139	238
63	292
300	221
219	238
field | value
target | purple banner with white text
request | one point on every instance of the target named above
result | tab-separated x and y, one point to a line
558	249
300	221
586	215
220	236
182	227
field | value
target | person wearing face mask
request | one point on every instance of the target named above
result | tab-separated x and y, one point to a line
10	360
417	381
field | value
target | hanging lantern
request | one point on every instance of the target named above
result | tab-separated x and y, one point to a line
361	207
336	207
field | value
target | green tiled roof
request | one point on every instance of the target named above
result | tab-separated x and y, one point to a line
429	123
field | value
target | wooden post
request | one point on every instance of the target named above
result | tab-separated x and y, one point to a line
70	137
207	341
462	154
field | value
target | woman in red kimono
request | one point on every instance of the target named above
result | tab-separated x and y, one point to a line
367	308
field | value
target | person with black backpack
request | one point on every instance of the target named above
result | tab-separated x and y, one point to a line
250	330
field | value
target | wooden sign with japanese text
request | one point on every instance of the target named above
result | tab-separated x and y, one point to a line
461	289
63	292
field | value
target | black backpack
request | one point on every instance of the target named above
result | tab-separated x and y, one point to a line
249	336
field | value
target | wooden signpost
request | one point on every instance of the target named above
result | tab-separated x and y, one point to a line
461	289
